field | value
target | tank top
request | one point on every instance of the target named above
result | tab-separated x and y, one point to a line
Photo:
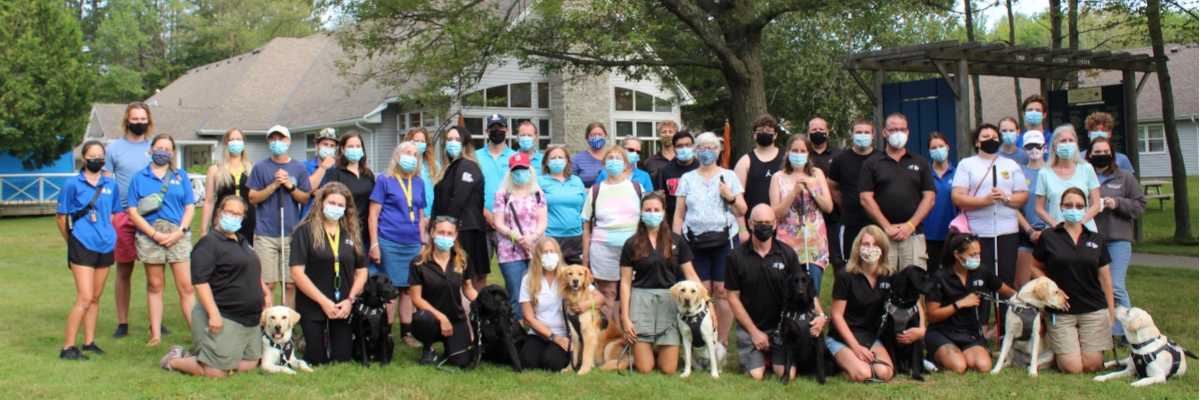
758	180
238	187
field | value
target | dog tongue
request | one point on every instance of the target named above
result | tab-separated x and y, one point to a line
278	336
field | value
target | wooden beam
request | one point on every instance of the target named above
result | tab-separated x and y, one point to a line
962	109
949	81
878	75
863	85
1141	84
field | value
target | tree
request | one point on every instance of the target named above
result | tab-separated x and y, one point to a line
1183	217
1012	41
224	28
969	20
45	81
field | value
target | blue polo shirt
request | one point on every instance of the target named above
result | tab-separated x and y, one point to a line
266	214
98	236
493	172
428	185
394	222
564	205
179	194
638	176
123	159
311	166
536	161
937	223
1019	156
586	167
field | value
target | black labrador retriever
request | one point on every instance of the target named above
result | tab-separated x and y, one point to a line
369	321
900	313
499	332
801	350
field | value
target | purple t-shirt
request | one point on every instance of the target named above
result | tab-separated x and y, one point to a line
399	219
524	222
267	213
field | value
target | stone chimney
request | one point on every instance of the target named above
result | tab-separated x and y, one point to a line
576	101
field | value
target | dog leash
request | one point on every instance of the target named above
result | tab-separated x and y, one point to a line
875	376
629	346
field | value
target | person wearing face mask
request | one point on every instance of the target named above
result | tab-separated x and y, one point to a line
588	164
937	223
229	176
232	296
844	172
610	217
87	207
1124	202
1101	125
665	155
326	160
755	168
653	260
1010	134
897	191
428	162
279	186
822	156
520	221
493	163
1076	258
164	233
440	280
633	149
954	340
352	171
800	197
548	346
565	196
527	140
1067	170
1030	223
461	188
329	265
394	226
123	158
668	177
1035	117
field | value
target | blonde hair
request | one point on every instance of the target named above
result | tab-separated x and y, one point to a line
1059	132
533	277
429	159
315	220
619	150
224	177
508	186
854	264
394	169
459	255
666	123
137	105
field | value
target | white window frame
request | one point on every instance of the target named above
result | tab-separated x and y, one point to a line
479	136
534	104
310	148
1144	139
650	144
653	107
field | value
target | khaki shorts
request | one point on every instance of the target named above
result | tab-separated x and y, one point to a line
654	314
267	249
225	349
909	252
1074	333
150	252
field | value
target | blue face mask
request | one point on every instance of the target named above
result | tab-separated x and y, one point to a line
526	143
326	152
407	163
1073	216
160	157
614	167
597	143
652	219
684	154
443	243
521	176
237	146
354	154
230	224
707	157
939	154
797	159
453	149
971	263
334	212
278	147
862	140
1008	138
421	146
1033	118
1065	150
1097	134
633	157
557	165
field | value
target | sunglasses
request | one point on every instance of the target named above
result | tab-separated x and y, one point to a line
446	218
638	152
1034	147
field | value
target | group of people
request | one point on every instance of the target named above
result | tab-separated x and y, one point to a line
436	217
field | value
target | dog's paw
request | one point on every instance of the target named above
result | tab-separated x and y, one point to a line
288	371
584	370
716	375
1100	378
685	374
1144	382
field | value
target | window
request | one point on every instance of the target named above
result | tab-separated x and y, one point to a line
630	100
623	99
479	136
412	120
522	95
543	96
647	131
1152	140
515	95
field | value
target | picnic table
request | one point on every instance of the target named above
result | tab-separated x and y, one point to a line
1158	194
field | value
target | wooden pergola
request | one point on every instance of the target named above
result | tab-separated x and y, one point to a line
952	60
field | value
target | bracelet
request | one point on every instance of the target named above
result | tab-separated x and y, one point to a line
955	304
742	229
910	225
373	247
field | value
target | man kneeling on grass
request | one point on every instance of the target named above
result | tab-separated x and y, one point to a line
229	286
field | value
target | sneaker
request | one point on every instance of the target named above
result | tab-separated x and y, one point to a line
428	356
175	352
122	331
410	341
71	353
92	347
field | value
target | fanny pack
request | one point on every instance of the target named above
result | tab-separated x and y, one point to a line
152	203
708	240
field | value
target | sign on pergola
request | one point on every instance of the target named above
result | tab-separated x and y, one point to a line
952	59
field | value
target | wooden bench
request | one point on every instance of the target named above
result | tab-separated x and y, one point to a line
1161	197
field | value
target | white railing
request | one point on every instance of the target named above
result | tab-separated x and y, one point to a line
31	188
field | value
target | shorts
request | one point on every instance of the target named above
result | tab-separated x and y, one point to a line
835	242
479	255
654	314
267	249
752	358
936	338
710	263
82	256
1073	333
150	252
835	346
226	349
126	251
908	253
571	248
396	258
604	260
1025	245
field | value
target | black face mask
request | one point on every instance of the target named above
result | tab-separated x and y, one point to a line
764	233
989	146
94	164
496	136
1101	161
818	138
764	139
138	129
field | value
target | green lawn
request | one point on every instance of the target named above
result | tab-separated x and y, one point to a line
37	291
1158	226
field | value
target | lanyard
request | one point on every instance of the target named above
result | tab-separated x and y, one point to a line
237	181
337	264
408	195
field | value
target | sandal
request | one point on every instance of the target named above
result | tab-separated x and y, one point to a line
175	352
153	343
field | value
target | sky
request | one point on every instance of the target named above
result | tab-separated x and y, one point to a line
994	10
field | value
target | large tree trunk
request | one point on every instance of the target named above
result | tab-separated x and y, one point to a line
747	92
969	11
1183	217
1012	41
1056	35
1073	34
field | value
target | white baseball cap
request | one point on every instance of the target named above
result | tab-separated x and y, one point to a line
281	129
1034	137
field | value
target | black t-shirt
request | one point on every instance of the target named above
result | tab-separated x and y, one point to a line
460	195
898	185
668	182
845	170
864	305
318	267
654	164
950	288
441	288
360	187
1075	267
761	282
653	272
824	162
231	269
758	178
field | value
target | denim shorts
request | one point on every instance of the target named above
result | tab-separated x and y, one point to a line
835	346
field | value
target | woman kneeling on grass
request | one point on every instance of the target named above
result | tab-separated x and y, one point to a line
954	338
436	278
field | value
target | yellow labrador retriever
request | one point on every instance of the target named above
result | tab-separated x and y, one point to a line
1023	326
278	354
696	328
1154	358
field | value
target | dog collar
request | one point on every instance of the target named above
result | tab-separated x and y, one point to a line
285	350
1139	346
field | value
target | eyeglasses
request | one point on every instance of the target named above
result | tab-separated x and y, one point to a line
762	223
683	146
1074	206
234	215
638	152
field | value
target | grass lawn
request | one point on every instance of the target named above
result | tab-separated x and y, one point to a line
1158	226
38	290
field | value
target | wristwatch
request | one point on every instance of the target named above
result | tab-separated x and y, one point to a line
553	336
289	189
1029	232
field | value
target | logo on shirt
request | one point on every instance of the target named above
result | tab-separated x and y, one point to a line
977	283
350	242
672	184
885	285
778	266
467	177
1092	245
1005	175
1113	185
914	167
106	191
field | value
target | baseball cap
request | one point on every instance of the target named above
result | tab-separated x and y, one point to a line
518	160
1034	137
327	133
496	119
281	129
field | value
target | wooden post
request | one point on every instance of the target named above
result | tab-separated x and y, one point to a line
1129	89
962	109
877	86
